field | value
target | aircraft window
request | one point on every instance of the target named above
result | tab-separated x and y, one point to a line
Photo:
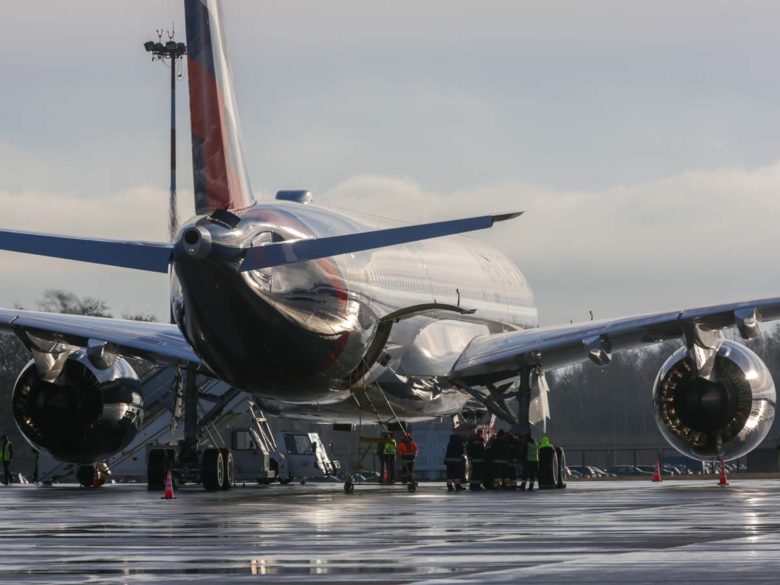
297	444
242	441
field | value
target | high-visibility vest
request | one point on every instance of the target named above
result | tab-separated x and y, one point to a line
533	452
390	447
407	449
6	452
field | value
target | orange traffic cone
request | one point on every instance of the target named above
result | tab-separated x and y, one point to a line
723	480
657	474
169	486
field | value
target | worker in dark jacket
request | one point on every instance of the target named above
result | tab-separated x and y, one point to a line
7	455
502	452
531	463
454	460
475	451
488	472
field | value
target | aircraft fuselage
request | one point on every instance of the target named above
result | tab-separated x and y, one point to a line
297	333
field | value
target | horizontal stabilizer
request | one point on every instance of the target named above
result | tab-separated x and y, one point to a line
148	256
311	249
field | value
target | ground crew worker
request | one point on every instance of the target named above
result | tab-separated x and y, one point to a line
390	449
475	451
488	472
531	463
510	474
7	455
36	456
454	460
407	449
545	443
380	454
501	455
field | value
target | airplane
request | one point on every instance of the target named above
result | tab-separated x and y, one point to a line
323	314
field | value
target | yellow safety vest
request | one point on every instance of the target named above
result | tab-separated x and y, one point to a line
6	452
390	447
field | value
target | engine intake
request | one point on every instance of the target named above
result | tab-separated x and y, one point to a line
86	415
723	416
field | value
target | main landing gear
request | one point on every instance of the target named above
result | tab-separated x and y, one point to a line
212	467
92	476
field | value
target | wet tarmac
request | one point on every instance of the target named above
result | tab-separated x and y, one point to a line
605	532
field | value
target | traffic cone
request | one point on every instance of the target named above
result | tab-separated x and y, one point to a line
168	486
657	474
723	480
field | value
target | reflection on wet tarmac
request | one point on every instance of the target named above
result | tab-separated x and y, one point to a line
610	532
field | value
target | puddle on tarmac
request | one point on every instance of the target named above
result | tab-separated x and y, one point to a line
235	567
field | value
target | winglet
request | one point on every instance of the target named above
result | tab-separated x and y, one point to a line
506	216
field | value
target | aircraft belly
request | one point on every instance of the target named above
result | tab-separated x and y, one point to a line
412	402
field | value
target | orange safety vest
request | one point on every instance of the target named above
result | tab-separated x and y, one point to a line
407	448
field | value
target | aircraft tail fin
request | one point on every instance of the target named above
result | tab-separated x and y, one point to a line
220	178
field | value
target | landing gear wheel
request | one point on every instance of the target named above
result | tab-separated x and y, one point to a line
86	475
349	487
155	470
227	469
213	470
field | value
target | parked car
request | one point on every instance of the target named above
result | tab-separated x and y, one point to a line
582	470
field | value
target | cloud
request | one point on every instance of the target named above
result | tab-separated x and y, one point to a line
699	237
696	238
136	214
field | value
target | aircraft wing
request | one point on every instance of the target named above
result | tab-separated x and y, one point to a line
492	358
159	342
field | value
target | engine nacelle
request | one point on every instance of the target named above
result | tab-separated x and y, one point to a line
86	415
724	416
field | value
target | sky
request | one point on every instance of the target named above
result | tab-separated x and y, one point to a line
642	140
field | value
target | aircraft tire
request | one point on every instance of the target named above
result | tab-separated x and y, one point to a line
86	474
155	470
212	470
228	469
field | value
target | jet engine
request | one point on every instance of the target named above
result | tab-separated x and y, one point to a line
723	415
89	411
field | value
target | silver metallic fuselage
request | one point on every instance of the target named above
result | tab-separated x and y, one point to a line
301	334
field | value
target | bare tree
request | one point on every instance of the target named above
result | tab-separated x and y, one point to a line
140	316
60	301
